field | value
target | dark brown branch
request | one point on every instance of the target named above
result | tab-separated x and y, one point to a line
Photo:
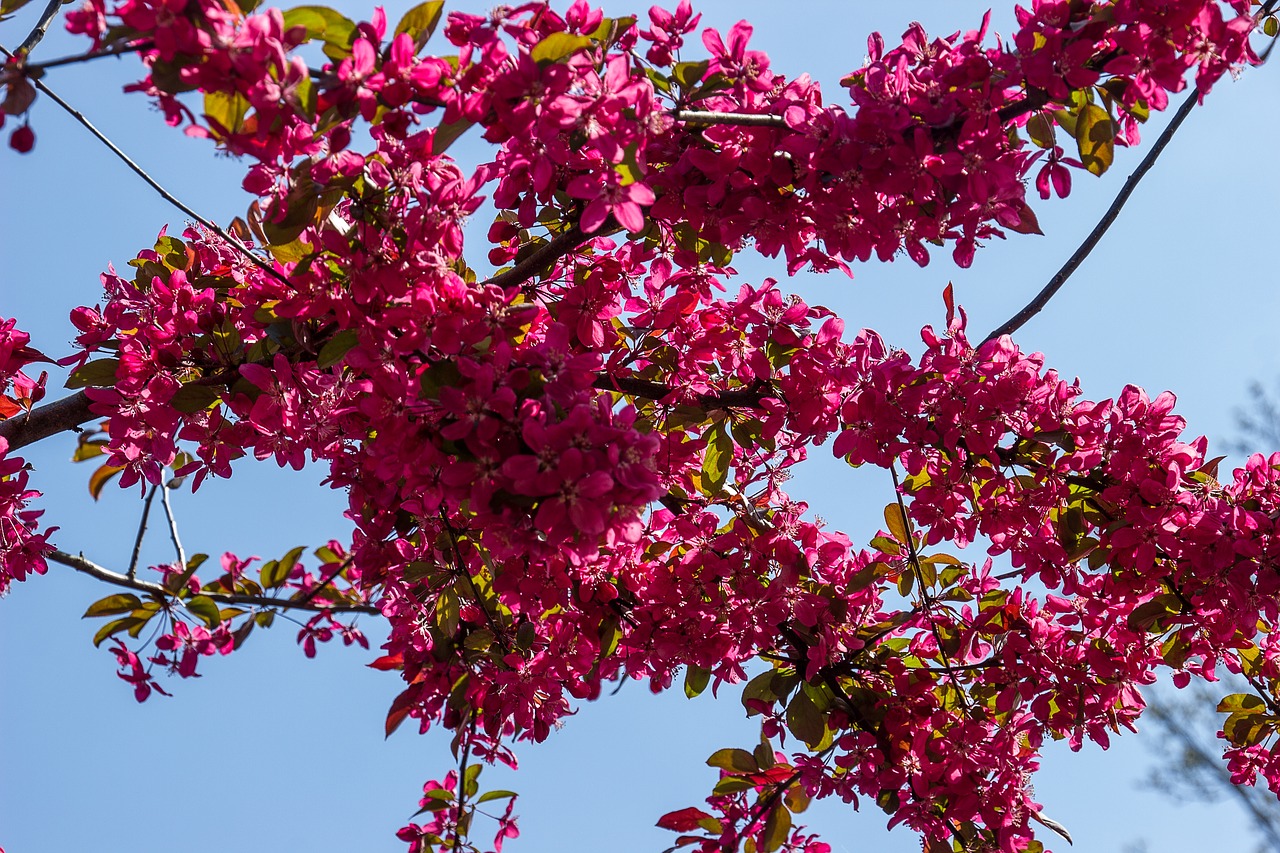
42	26
711	117
541	259
745	398
44	421
1032	308
84	566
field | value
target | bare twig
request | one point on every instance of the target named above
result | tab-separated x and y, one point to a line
44	421
74	59
154	184
173	525
42	26
142	532
85	566
1055	284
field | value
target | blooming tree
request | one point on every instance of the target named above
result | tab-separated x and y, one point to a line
571	469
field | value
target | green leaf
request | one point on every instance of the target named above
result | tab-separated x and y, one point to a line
1246	703
89	450
123	602
558	46
732	785
489	796
896	523
8	6
695	680
420	22
337	347
115	627
226	112
777	829
805	720
447	134
206	608
326	25
690	74
96	374
734	760
194	398
1096	138
1271	26
1040	130
719	456
447	612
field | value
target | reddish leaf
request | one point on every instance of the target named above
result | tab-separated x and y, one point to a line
683	820
399	710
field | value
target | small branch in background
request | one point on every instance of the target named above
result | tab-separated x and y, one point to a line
142	532
88	567
173	526
41	28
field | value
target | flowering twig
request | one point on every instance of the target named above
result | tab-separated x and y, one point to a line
88	567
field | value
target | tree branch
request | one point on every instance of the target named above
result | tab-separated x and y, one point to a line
114	50
85	566
155	185
44	421
711	117
745	398
1032	308
42	26
541	258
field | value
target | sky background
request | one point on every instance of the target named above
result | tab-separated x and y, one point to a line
271	751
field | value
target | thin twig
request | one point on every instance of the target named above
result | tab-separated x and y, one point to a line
74	59
85	566
746	398
1032	308
42	26
155	185
173	526
142	532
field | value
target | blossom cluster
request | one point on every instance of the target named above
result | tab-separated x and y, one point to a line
22	543
573	470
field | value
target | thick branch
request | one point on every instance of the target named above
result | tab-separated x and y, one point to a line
84	566
542	258
44	421
1032	308
711	117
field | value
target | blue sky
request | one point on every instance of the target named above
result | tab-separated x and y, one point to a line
270	751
